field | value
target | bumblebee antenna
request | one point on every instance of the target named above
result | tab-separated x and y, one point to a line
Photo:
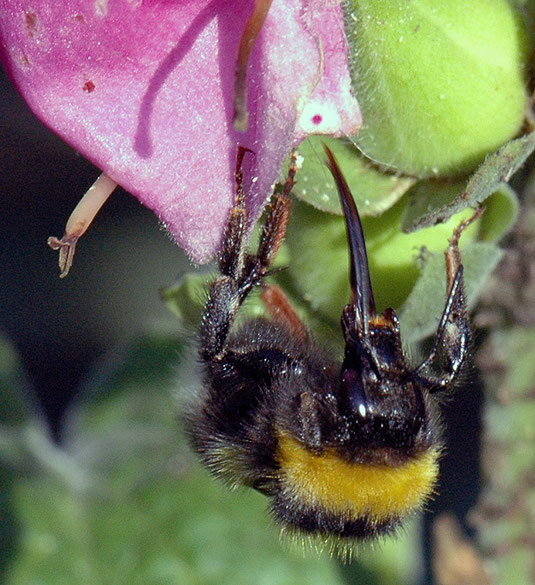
361	287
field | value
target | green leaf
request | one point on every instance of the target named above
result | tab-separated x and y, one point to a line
427	210
181	528
374	191
319	256
115	391
19	422
501	213
425	304
509	448
501	208
186	297
394	562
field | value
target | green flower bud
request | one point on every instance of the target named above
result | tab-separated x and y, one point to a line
440	84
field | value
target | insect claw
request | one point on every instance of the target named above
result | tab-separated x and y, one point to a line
239	200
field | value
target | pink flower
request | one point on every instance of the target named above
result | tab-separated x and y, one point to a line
145	90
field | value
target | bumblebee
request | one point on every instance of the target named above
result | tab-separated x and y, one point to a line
344	450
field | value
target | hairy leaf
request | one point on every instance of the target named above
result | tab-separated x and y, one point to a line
141	510
499	167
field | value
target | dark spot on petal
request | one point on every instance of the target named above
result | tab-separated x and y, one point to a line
317	119
88	86
31	22
79	17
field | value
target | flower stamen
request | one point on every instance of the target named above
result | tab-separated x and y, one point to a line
247	41
80	219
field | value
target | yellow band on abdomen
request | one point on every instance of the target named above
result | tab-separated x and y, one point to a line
355	490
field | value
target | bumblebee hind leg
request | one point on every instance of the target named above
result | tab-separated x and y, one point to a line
241	271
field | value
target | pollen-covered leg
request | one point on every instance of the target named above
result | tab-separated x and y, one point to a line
224	299
273	232
235	241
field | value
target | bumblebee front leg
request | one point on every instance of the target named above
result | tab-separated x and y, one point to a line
452	253
454	334
240	271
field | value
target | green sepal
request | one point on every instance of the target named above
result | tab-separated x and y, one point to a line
440	84
374	191
319	256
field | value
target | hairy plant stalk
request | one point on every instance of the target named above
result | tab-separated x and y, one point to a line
505	515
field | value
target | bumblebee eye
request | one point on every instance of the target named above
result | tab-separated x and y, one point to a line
353	388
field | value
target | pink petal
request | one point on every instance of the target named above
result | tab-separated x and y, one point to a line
331	109
145	91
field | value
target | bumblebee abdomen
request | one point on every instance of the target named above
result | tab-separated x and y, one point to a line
326	494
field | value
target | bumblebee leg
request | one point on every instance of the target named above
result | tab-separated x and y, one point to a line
255	266
452	340
234	244
454	335
275	227
240	272
272	235
452	253
223	301
281	311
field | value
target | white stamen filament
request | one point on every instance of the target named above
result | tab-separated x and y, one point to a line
80	219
